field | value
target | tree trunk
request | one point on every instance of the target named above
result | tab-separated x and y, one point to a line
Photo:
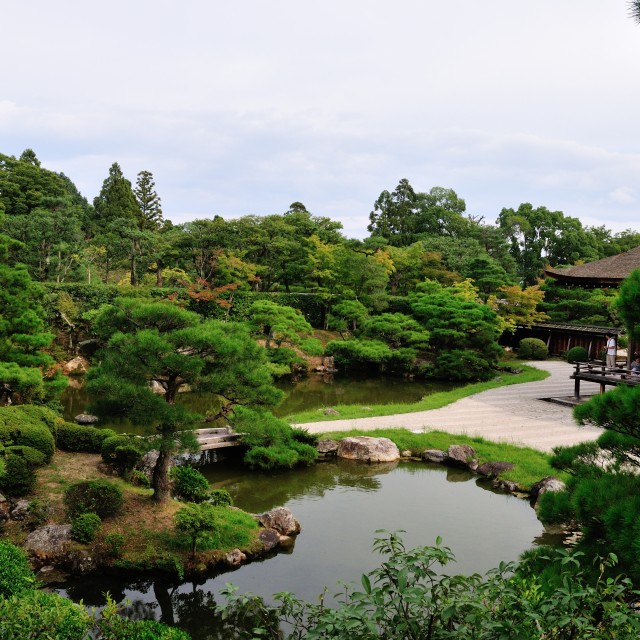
159	280
160	481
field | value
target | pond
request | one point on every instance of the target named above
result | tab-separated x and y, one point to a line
313	392
340	505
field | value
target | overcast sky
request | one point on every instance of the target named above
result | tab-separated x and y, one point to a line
245	107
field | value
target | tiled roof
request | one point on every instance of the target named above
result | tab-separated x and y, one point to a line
611	268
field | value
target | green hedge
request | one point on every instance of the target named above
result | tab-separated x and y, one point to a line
24	425
79	438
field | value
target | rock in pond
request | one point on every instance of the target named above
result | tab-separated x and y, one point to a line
462	455
494	469
281	520
49	542
434	455
86	418
368	449
327	448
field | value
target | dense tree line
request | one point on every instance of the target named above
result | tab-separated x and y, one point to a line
123	236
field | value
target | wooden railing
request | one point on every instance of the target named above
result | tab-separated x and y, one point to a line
597	371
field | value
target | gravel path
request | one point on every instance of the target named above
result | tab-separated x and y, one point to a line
514	414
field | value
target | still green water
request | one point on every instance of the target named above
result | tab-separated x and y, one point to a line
313	392
340	505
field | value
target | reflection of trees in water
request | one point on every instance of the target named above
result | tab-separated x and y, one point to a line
263	491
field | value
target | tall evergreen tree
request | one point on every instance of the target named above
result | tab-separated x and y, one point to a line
148	202
116	200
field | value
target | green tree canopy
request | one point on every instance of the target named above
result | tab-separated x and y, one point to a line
175	349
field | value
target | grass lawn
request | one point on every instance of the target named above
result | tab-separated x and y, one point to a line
432	401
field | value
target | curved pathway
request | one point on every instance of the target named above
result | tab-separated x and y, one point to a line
514	414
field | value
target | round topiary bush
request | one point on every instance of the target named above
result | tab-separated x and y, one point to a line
532	349
188	484
577	354
18	477
93	496
85	527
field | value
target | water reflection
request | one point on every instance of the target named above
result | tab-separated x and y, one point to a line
340	505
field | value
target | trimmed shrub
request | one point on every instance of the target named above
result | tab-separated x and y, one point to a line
33	457
124	452
462	364
577	354
114	627
37	614
18	477
139	479
79	438
16	576
85	527
93	496
219	498
188	484
42	415
19	426
532	349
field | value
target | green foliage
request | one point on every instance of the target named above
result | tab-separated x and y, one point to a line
270	441
123	452
39	615
463	365
457	321
301	434
195	520
627	304
22	335
118	628
270	458
16	576
162	343
286	361
80	438
577	354
18	478
113	543
101	497
406	596
277	323
188	484
139	479
311	346
219	498
33	457
84	527
22	426
575	305
532	348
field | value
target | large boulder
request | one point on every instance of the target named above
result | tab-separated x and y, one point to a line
78	366
48	542
368	449
462	455
281	520
148	463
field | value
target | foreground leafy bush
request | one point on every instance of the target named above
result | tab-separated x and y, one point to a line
37	614
93	496
219	498
85	527
16	576
532	349
80	438
406	598
577	354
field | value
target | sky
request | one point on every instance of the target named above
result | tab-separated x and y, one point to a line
244	107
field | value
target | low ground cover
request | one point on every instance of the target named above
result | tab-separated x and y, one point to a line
433	401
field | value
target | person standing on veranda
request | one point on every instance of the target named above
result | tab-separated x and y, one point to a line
611	351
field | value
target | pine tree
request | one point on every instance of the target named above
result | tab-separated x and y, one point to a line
150	217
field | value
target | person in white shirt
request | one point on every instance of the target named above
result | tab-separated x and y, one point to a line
611	351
